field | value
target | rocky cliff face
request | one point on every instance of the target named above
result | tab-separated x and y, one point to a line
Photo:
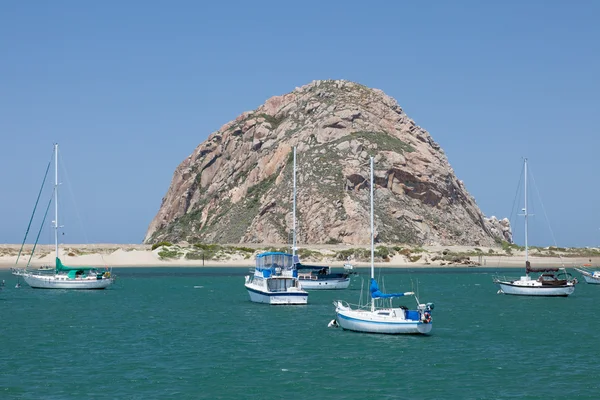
236	187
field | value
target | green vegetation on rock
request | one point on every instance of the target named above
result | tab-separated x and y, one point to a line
384	141
272	120
169	254
159	244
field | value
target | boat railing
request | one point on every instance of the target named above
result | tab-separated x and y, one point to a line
28	271
353	306
18	271
593	273
504	278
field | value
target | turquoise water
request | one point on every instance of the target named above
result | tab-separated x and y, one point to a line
192	333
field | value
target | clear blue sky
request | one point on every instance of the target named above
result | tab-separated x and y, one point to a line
130	88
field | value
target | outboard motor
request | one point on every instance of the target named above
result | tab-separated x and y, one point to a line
425	310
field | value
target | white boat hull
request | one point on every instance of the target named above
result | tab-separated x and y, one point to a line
52	282
290	297
593	278
367	322
325	284
508	288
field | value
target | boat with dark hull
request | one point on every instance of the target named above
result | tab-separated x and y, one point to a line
320	277
551	281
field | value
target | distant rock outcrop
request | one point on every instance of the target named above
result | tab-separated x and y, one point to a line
236	187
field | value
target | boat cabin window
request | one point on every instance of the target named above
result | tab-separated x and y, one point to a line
280	285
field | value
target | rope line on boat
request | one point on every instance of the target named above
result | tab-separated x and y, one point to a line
547	220
34	209
40	231
514	209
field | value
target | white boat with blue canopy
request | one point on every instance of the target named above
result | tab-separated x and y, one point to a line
275	280
380	316
384	317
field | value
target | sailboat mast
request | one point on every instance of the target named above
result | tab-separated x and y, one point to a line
372	237
526	216
56	199
294	211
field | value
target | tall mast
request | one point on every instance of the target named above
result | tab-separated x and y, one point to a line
56	198
526	215
372	237
294	211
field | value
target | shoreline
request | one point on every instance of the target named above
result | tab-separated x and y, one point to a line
142	256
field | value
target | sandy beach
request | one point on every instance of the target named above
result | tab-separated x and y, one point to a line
139	255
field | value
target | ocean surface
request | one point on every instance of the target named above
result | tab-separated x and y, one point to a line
192	333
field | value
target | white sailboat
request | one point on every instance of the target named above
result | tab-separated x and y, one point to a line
590	276
61	276
547	283
386	318
275	278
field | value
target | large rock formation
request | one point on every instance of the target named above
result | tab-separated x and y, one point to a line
236	187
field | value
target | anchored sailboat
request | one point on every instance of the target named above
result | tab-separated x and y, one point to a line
590	275
385	319
61	276
547	283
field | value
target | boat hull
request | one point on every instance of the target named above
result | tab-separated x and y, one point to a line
325	284
51	282
553	291
361	321
295	297
589	278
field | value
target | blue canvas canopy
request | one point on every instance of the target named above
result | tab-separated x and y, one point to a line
377	294
274	259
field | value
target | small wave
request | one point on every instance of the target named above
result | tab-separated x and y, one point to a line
198	287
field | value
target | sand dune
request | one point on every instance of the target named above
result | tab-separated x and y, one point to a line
120	255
